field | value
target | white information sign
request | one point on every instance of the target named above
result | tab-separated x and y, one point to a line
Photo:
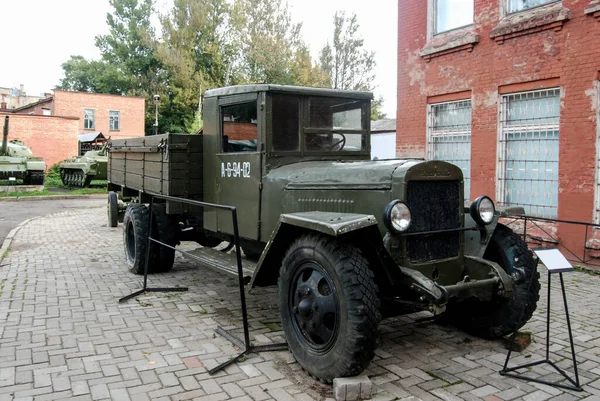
554	260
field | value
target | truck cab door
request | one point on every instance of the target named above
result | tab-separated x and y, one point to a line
238	170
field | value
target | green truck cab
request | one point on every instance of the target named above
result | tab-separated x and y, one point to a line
347	240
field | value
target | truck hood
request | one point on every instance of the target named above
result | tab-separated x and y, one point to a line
363	174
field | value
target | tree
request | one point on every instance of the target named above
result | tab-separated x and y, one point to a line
195	53
270	45
93	76
346	63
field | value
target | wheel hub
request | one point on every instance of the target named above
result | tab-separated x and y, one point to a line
315	307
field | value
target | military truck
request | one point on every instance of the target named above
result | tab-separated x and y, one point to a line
17	161
79	171
347	240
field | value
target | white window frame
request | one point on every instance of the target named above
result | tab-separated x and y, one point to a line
431	134
110	120
432	20
501	148
85	119
504	4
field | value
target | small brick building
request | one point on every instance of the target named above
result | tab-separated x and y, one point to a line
508	90
52	125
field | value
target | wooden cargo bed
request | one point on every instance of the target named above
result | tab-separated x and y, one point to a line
169	164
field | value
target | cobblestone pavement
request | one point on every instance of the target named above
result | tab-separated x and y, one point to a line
64	336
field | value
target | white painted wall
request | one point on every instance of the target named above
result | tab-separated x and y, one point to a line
383	146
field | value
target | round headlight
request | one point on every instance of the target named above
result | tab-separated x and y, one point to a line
483	210
397	216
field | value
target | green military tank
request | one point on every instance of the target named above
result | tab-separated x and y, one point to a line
17	161
79	171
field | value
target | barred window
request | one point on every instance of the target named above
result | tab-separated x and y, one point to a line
520	5
449	136
114	120
529	151
89	119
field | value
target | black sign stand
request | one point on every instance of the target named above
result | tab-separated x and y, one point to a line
246	344
555	264
145	288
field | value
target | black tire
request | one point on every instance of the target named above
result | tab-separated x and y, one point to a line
161	257
502	316
329	307
135	239
113	209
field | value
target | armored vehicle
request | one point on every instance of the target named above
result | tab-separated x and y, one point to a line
79	171
16	160
347	240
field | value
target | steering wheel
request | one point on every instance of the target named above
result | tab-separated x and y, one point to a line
341	141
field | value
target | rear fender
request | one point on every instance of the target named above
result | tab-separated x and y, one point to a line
293	225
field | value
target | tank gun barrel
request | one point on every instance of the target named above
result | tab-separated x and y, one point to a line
3	150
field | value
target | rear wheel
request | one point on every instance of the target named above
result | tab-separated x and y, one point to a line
135	239
113	209
502	316
329	307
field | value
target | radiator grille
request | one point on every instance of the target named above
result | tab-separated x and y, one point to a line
434	205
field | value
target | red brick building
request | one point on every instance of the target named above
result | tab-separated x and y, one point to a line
51	126
508	90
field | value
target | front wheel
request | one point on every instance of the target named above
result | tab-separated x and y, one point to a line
329	307
502	316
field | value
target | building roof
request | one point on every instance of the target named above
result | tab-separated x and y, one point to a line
385	125
296	90
30	105
89	137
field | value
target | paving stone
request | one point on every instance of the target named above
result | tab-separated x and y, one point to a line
352	388
64	336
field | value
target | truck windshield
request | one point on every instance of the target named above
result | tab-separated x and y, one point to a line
330	125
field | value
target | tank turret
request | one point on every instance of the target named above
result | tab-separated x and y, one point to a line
17	161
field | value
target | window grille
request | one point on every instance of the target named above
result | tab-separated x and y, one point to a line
529	135
449	136
597	200
520	5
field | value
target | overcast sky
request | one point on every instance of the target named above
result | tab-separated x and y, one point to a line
39	35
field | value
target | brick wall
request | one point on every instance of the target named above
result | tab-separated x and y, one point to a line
131	111
567	54
52	138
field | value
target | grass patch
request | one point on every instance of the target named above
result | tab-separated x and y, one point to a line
591	272
53	186
5	254
78	191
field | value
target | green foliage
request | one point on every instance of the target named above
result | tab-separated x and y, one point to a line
376	112
347	64
204	45
270	45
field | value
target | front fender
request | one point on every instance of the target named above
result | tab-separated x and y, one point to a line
290	226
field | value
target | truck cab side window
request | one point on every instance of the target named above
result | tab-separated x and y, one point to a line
239	127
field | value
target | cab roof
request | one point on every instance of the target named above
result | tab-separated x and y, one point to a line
288	89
